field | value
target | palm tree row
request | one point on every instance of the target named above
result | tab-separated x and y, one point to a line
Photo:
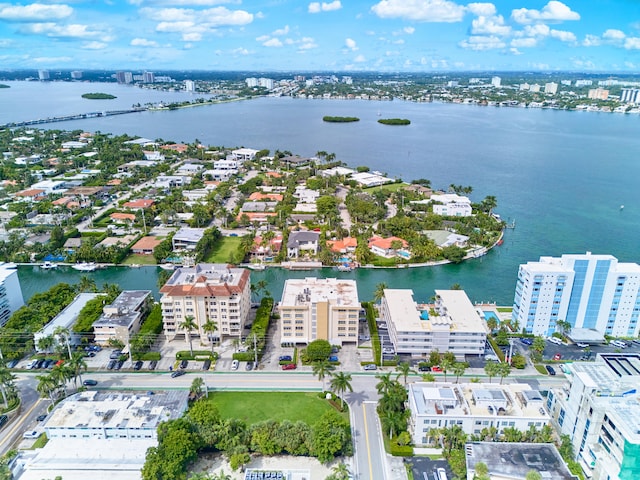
391	407
50	384
340	383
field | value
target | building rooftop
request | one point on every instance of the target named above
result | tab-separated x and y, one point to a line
456	305
404	311
514	460
303	291
207	279
188	234
124	310
116	410
67	317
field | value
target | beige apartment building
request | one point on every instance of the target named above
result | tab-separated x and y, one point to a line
123	318
319	308
207	291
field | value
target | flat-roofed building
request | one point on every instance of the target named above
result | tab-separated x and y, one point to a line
319	308
187	238
452	324
243	154
65	319
207	291
451	205
513	461
474	407
600	412
123	317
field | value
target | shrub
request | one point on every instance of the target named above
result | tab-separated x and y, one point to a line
151	356
244	356
400	450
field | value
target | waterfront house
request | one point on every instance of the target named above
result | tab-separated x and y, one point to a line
344	245
146	245
187	238
262	248
383	247
300	242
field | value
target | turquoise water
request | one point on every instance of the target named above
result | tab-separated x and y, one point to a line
424	315
490	314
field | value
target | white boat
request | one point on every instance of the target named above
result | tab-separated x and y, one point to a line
344	268
257	266
134	265
168	266
85	266
49	266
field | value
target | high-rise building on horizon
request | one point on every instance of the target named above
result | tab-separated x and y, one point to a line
10	292
593	292
630	95
189	86
496	81
598	94
148	77
124	77
551	88
43	75
76	74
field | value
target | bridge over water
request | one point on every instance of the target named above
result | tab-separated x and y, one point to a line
79	116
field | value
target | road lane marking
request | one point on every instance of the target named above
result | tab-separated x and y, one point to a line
366	436
20	421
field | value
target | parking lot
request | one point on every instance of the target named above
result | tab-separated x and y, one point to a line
425	468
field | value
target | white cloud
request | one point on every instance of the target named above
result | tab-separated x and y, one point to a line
409	30
489	26
360	59
51	60
195	21
524	42
63	31
613	34
307	44
317	7
240	51
351	44
221	16
174	27
420	10
515	51
191	3
563	36
479	43
281	31
399	41
632	43
591	41
34	12
273	42
191	37
169	14
539	30
262	38
482	9
94	46
143	42
553	11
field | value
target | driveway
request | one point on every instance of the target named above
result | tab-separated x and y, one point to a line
425	469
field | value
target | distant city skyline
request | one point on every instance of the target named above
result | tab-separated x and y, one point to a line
338	35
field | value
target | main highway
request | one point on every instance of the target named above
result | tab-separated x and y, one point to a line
370	460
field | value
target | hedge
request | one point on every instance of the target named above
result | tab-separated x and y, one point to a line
373	331
400	450
151	356
197	355
244	356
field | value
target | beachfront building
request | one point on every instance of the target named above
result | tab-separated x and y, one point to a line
244	154
97	435
65	319
591	292
319	308
10	292
473	407
451	205
207	292
123	318
600	412
452	324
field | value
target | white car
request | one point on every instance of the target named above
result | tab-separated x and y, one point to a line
582	345
235	364
389	351
31	434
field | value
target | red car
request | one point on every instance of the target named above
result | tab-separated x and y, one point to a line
436	369
557	356
289	366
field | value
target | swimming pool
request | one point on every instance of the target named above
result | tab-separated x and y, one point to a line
491	314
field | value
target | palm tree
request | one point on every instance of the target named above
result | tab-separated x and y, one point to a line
188	326
491	369
45	343
340	383
196	387
446	365
340	472
209	327
323	369
77	364
379	291
404	370
6	383
60	375
385	384
63	334
46	386
86	284
458	370
504	369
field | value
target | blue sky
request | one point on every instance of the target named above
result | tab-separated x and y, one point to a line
336	35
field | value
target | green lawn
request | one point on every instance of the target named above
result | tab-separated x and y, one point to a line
223	250
255	407
387	187
134	259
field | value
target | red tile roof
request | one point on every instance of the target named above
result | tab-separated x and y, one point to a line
141	203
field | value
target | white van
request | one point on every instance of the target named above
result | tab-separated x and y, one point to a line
442	474
619	344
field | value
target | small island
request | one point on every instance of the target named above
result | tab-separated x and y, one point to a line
98	96
340	119
2	85
394	121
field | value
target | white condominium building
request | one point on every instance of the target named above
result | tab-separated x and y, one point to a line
450	325
451	205
474	407
10	292
319	308
588	291
206	292
600	411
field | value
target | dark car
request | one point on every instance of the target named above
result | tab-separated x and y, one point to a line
550	370
177	373
137	365
184	364
285	358
119	364
153	364
41	418
90	354
333	358
206	365
41	363
111	364
90	383
3	419
12	363
115	354
249	366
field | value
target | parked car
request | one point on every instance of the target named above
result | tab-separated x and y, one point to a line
423	367
235	364
177	373
582	345
41	418
382	326
333	358
184	364
153	364
111	364
115	354
550	370
557	356
619	344
565	370
555	340
119	364
388	351
526	341
31	434
364	338
3	419
206	365
12	363
90	383
289	366
249	366
370	366
491	357
285	358
436	368
137	365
